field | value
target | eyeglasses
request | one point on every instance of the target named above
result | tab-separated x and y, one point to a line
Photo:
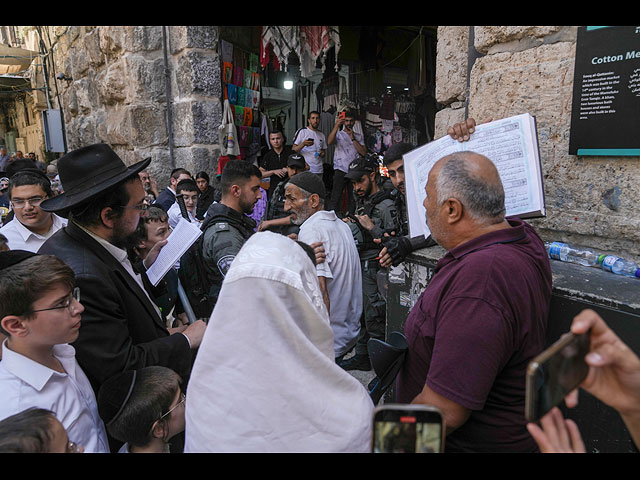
33	201
74	295
183	399
143	207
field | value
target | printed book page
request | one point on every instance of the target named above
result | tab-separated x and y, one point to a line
510	143
182	237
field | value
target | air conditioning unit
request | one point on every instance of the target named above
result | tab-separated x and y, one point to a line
53	133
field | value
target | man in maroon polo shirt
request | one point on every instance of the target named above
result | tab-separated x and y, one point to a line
482	317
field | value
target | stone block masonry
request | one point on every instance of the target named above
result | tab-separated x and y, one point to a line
118	93
590	200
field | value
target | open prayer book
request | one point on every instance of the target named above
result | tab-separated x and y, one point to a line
182	237
510	143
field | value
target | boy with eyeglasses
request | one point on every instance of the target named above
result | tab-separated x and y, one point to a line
40	315
35	430
31	226
143	408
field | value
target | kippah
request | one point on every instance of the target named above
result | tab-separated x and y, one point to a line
310	182
114	395
21	164
11	257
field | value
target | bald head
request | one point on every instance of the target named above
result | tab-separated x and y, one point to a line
474	180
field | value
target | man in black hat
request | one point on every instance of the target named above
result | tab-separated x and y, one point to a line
121	326
275	218
375	214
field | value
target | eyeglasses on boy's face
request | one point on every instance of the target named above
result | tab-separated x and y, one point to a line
21	202
183	398
67	303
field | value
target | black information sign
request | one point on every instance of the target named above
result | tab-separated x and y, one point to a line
605	115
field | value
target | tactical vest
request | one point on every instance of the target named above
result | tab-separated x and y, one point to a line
367	209
201	292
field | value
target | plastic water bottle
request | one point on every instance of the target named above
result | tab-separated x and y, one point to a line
567	253
620	266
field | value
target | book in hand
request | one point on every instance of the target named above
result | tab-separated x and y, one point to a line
510	143
182	237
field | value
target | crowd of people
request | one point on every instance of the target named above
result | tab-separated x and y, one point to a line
283	286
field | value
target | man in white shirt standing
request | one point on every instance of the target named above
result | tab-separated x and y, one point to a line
349	146
311	143
340	276
31	226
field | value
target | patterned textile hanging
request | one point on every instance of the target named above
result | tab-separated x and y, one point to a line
308	42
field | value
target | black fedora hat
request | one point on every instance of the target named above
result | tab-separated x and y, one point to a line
88	171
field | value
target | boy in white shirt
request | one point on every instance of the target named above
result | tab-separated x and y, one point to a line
189	190
31	226
40	314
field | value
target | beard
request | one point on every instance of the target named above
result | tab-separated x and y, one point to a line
122	238
247	207
301	215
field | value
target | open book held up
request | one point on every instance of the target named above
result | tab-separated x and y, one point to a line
182	237
510	143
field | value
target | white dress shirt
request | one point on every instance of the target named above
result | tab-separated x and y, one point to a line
175	215
343	273
121	256
21	238
25	383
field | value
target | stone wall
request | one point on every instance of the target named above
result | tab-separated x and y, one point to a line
118	93
591	201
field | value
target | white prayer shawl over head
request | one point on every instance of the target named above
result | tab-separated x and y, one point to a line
265	377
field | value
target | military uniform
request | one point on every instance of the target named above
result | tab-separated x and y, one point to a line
225	232
382	210
401	245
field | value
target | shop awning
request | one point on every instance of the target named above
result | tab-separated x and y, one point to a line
15	60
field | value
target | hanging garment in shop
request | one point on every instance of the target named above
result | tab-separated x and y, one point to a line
387	111
315	41
309	43
283	39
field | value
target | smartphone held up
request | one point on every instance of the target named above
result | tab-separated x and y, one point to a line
555	373
407	429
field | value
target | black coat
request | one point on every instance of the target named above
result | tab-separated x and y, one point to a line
120	328
165	199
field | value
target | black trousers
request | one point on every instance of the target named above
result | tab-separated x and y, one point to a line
335	200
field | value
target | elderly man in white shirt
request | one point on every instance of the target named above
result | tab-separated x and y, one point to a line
339	276
31	226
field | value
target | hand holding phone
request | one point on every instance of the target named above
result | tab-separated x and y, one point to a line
407	429
554	373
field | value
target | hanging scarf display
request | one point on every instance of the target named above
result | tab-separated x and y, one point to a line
309	43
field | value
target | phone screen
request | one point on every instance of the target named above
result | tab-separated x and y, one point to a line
554	373
407	429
